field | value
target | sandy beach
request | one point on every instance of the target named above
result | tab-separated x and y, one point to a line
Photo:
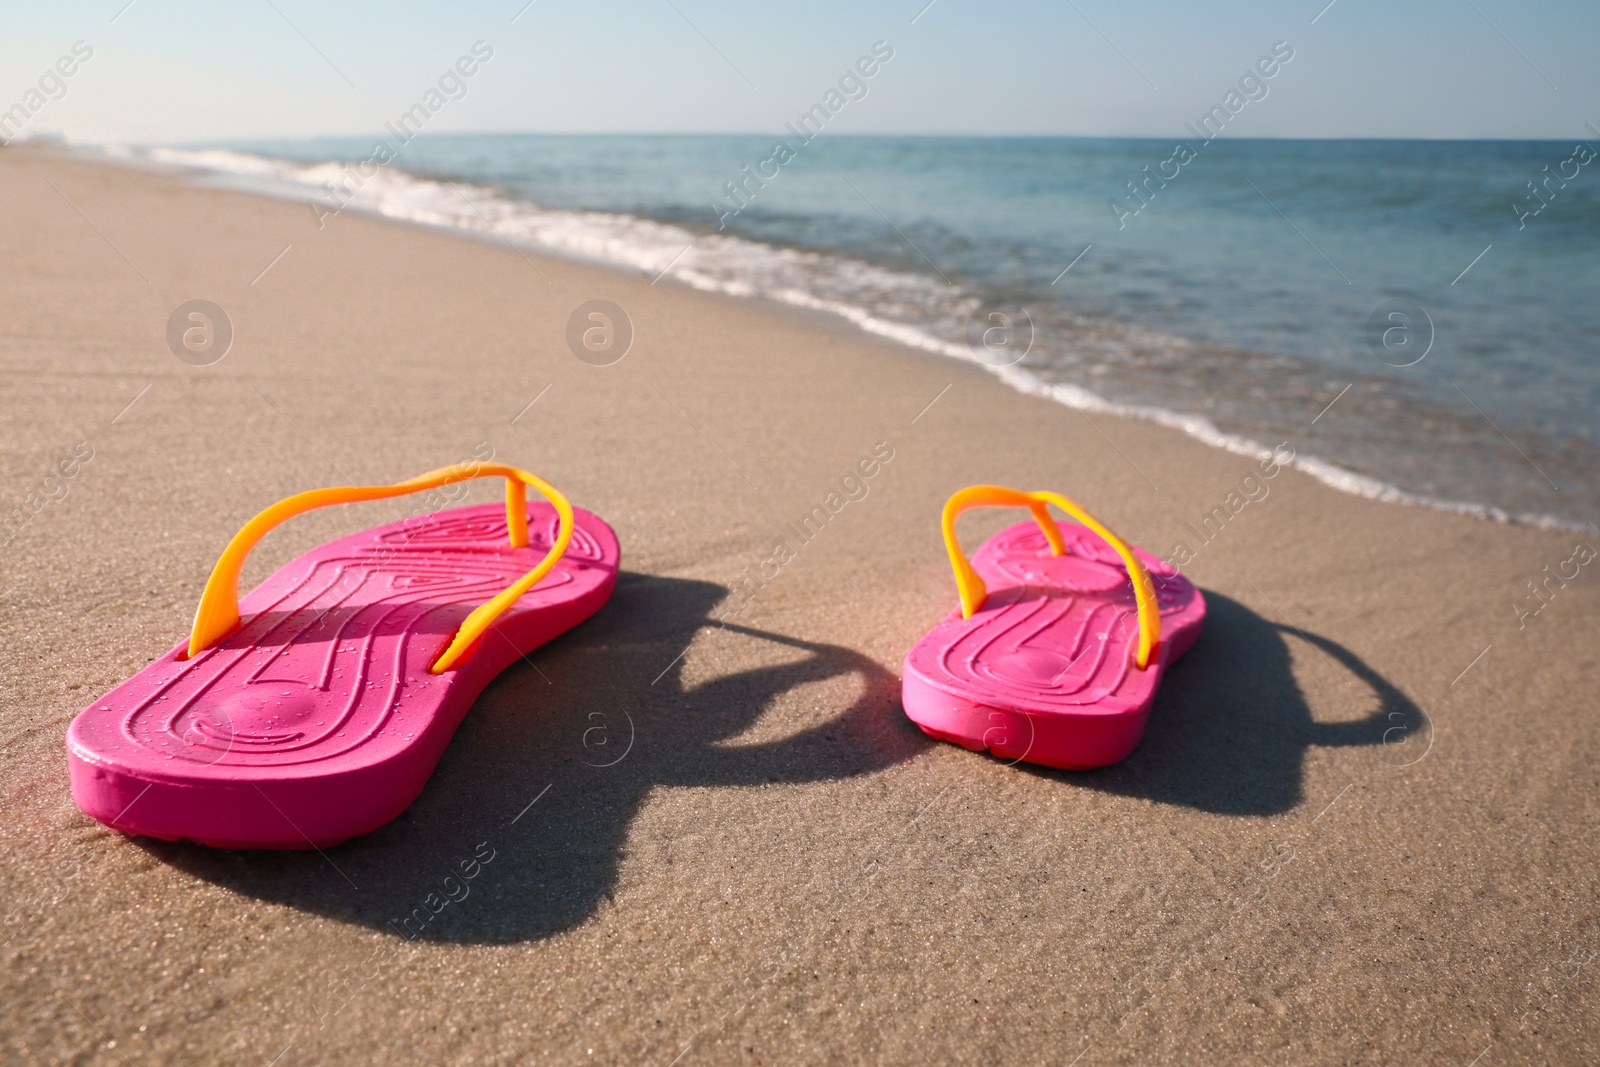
1360	827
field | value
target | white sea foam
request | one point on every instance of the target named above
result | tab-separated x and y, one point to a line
904	308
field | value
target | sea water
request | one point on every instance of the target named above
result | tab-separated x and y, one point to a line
1416	319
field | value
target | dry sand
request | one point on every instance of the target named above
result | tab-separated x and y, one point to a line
774	866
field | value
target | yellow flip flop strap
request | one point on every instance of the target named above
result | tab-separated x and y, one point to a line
218	613
974	593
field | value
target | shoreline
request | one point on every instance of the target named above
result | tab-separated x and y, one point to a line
1197	426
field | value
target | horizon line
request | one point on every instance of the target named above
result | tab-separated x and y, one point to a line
64	139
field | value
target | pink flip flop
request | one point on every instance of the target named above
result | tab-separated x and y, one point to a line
320	714
1055	653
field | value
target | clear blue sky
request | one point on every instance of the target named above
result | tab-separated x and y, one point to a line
171	72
